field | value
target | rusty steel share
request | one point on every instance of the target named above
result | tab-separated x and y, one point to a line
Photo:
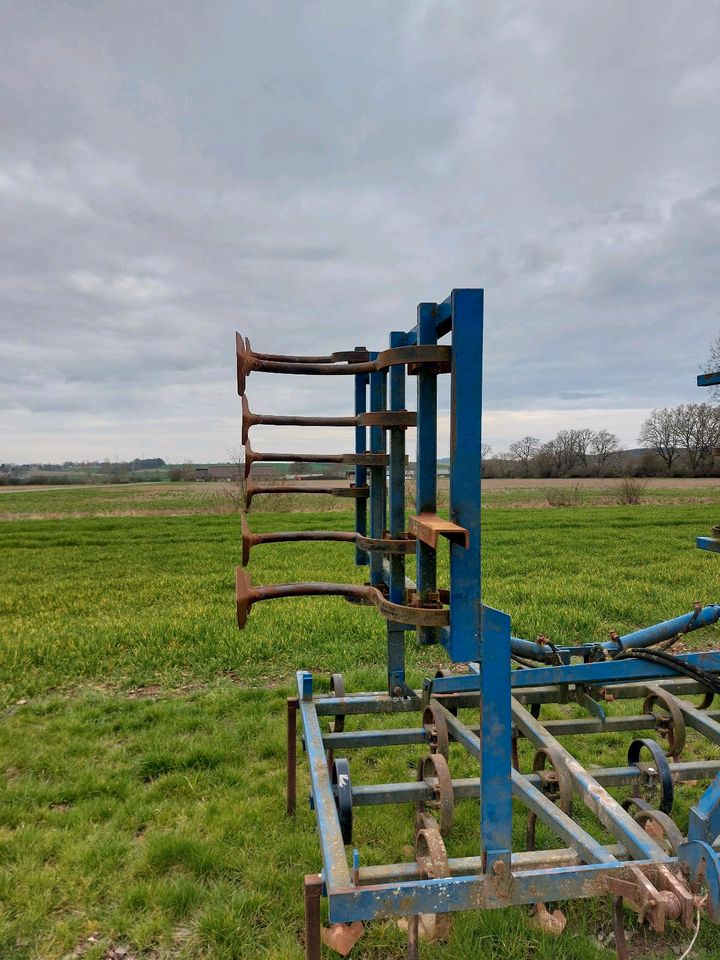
389	419
246	595
339	356
254	489
413	356
383	545
361	459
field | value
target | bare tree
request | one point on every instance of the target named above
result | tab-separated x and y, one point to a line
525	451
485	451
563	451
582	442
698	429
660	433
604	446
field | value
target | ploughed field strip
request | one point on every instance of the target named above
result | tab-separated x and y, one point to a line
665	873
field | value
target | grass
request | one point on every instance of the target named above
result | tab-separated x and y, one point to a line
142	741
212	499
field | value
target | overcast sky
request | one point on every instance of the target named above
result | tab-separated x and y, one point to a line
171	171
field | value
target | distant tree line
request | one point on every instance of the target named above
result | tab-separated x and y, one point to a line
674	441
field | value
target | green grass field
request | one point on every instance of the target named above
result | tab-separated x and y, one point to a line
142	735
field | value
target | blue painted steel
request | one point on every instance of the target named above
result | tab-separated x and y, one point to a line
645	637
704	818
396	579
481	636
703	865
335	866
608	671
426	465
465	480
378	382
361	385
473	892
708	543
708	379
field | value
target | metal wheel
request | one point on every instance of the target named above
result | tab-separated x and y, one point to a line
433	770
436	730
670	725
342	789
656	771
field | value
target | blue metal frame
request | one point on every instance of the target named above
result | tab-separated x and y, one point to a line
481	637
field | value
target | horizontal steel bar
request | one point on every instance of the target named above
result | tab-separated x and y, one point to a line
473	892
351	739
379	702
462	866
600	673
468	788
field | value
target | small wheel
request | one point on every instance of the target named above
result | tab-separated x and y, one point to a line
342	790
436	730
672	835
556	783
645	814
658	769
432	859
337	689
433	770
671	725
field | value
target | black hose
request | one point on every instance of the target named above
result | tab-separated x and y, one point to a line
665	659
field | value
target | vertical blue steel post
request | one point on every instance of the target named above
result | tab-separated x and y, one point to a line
477	634
395	632
426	466
361	382
378	389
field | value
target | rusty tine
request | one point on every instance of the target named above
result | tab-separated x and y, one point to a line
249	419
246	595
253	489
251	539
363	459
341	364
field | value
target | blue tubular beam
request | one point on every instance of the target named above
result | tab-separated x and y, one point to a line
601	673
708	543
708	379
396	580
426	466
685	623
335	867
474	892
465	485
361	382
468	788
477	632
704	818
608	811
668	628
442	314
378	382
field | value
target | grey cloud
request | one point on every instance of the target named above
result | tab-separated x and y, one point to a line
307	173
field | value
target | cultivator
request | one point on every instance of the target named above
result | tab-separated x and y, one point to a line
664	870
